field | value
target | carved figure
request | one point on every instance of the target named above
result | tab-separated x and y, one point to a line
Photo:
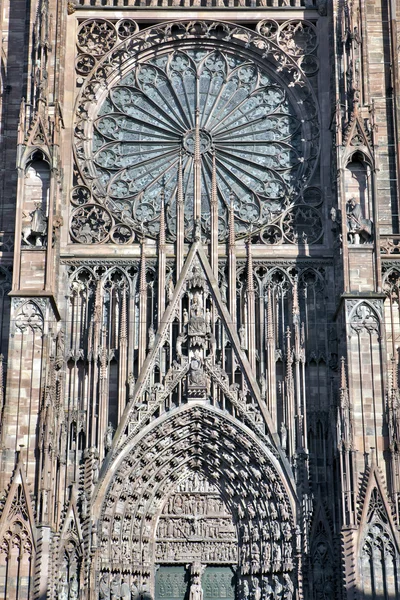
196	592
196	374
278	588
34	227
170	289
263	386
95	468
38	225
288	589
181	339
62	587
242	337
256	589
359	228
104	587
283	436
152	338
73	588
246	591
115	587
108	437
125	590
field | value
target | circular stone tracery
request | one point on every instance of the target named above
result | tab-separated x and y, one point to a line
189	141
263	130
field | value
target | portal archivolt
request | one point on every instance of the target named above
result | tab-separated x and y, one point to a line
197	487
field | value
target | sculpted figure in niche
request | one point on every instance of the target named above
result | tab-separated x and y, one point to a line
108	437
73	588
196	374
62	587
359	228
34	227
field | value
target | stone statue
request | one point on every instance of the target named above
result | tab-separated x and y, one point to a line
263	387
115	587
104	587
84	505
242	337
196	592
359	228
283	435
125	590
108	437
278	588
288	589
256	589
152	338
185	316
73	588
196	374
246	591
95	468
181	339
170	289
62	587
34	230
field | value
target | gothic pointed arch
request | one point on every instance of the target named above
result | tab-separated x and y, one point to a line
17	537
70	574
238	473
322	581
378	546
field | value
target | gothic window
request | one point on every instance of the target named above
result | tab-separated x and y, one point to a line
172	113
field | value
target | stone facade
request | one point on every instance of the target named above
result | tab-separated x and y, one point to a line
199	300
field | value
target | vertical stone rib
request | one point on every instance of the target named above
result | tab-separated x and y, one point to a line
251	320
180	221
197	169
289	393
123	347
271	365
161	261
142	307
232	262
214	218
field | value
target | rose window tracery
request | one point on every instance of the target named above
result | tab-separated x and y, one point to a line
145	132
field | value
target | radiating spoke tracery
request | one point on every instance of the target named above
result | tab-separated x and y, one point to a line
148	121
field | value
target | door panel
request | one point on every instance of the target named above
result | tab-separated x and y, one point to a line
172	583
218	582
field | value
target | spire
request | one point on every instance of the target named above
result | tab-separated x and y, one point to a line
343	380
289	371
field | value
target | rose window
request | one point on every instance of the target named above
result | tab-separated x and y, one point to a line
145	135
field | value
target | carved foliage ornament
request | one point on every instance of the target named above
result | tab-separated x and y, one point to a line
258	117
